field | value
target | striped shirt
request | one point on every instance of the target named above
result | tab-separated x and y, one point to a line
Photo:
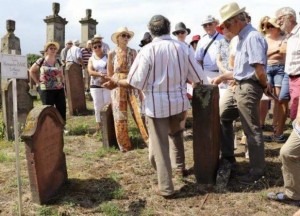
251	49
292	63
161	70
86	54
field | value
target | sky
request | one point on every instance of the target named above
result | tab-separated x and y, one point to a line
113	14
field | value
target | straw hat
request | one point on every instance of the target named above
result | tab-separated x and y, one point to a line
121	30
230	10
272	21
98	36
50	43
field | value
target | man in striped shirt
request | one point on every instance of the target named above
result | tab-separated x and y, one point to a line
161	70
86	54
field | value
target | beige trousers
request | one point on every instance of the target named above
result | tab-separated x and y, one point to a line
290	157
166	148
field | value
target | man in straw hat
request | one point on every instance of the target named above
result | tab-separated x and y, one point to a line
243	100
290	151
154	71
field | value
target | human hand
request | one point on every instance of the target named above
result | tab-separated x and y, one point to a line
217	80
109	85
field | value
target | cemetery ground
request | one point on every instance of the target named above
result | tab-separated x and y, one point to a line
105	181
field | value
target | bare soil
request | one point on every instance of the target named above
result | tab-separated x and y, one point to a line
108	182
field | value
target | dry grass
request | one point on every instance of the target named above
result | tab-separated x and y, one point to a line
108	182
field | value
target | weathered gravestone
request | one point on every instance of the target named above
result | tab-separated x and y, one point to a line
108	128
25	104
46	161
206	133
75	89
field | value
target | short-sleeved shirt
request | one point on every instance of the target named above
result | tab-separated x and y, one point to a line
292	63
73	54
161	70
251	49
223	51
209	60
51	76
86	54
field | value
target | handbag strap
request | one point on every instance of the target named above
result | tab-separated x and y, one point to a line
212	40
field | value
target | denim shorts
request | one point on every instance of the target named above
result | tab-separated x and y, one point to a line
275	74
285	88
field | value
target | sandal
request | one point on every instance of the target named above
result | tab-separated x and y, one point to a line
281	197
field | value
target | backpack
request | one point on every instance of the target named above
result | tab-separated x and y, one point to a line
43	59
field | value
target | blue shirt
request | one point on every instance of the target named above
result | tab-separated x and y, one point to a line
251	49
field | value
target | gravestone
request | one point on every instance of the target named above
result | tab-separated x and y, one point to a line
206	133
108	127
75	89
9	42
25	104
88	27
46	161
56	27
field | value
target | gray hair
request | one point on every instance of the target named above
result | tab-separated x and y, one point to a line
159	25
285	11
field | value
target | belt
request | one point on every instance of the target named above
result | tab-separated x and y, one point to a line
294	76
214	70
246	81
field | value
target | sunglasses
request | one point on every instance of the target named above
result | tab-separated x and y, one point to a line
52	48
269	26
207	24
180	32
97	46
125	35
228	22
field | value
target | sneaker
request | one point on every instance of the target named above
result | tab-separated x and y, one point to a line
279	139
281	197
268	139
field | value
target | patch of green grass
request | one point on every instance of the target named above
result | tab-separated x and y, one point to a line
102	151
80	129
47	211
2	130
147	212
115	176
5	158
110	209
118	193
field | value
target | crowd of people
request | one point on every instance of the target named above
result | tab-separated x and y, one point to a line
253	67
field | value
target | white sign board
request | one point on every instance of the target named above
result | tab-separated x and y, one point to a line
13	66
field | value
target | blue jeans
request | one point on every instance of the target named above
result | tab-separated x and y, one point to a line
285	88
275	74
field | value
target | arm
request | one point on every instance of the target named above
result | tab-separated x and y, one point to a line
260	74
34	73
110	68
91	69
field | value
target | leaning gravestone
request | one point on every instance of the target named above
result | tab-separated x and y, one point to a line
108	127
75	89
25	104
46	161
206	133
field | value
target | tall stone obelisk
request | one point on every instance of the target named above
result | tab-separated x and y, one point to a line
88	27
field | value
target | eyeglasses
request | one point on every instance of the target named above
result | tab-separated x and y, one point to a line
97	46
52	48
207	24
269	26
280	17
180	32
125	35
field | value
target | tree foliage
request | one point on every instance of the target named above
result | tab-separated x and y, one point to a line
31	58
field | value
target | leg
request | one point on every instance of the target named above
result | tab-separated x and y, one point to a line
248	97
60	102
290	157
264	108
159	153
177	125
228	113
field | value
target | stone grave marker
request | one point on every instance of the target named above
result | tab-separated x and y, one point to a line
108	128
206	133
25	104
75	89
46	161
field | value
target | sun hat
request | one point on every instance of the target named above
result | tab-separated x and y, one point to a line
76	42
208	19
195	38
69	42
272	21
147	36
230	10
181	27
121	30
50	43
98	36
